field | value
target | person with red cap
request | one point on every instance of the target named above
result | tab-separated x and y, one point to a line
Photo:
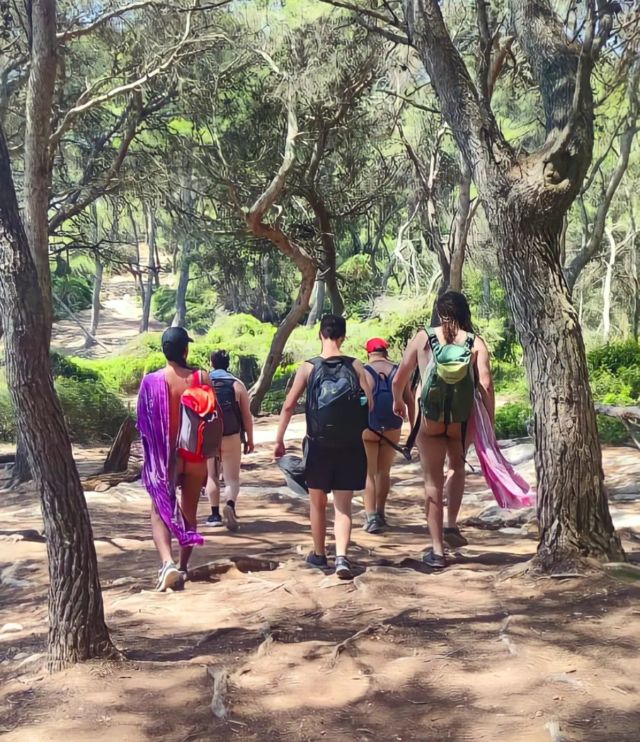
384	431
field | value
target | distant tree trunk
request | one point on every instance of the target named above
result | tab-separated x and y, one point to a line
635	319
37	159
95	300
486	294
328	262
77	629
151	268
318	302
459	235
180	317
606	290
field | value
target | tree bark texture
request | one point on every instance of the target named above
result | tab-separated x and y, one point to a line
525	197
118	456
607	287
77	629
37	159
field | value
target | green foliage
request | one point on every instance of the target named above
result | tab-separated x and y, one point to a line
91	411
67	368
201	307
612	431
512	419
358	285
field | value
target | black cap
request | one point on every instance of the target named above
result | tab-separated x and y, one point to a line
176	336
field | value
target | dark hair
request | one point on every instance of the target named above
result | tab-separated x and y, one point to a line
220	360
455	314
333	327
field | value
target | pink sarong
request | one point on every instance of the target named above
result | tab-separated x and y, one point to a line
508	487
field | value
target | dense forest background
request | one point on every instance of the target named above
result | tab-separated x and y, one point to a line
239	161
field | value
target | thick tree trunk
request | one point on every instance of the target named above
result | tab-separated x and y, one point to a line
279	342
180	317
77	629
95	302
318	303
118	456
606	289
37	160
151	268
572	501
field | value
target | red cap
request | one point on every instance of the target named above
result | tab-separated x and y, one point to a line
376	344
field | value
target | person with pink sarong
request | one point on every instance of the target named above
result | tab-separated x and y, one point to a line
438	440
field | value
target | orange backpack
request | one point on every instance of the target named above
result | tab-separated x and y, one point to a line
200	432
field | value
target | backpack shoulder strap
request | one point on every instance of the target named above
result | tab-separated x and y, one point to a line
471	338
434	343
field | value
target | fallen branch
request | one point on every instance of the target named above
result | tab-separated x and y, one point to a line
73	317
339	648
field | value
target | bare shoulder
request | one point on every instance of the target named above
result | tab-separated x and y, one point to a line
479	344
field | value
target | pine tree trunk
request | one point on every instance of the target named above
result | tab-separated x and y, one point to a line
95	301
180	317
37	162
279	342
328	261
606	290
77	629
572	501
151	268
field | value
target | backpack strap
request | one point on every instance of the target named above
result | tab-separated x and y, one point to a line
433	341
471	338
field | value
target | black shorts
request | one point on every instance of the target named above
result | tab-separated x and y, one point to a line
331	469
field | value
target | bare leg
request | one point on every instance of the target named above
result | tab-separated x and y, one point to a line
231	460
161	536
433	450
454	486
371	448
318	501
386	457
213	482
192	479
342	526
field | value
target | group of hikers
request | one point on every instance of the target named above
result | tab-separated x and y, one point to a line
195	427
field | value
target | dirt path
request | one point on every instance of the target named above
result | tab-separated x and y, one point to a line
119	322
399	654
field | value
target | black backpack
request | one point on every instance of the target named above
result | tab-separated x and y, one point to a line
337	410
231	415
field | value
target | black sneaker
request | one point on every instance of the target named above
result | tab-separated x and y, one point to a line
215	520
343	568
431	559
454	538
317	560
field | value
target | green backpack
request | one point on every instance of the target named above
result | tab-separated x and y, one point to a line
448	387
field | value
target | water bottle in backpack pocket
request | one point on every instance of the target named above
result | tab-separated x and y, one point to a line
382	417
200	431
336	415
448	387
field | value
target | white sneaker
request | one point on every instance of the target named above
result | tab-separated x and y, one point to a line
169	576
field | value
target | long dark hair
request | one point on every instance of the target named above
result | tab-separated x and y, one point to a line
455	314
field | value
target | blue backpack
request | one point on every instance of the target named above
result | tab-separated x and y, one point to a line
382	417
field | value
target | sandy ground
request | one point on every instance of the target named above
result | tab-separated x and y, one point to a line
472	653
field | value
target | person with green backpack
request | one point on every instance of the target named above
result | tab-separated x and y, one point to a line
453	361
